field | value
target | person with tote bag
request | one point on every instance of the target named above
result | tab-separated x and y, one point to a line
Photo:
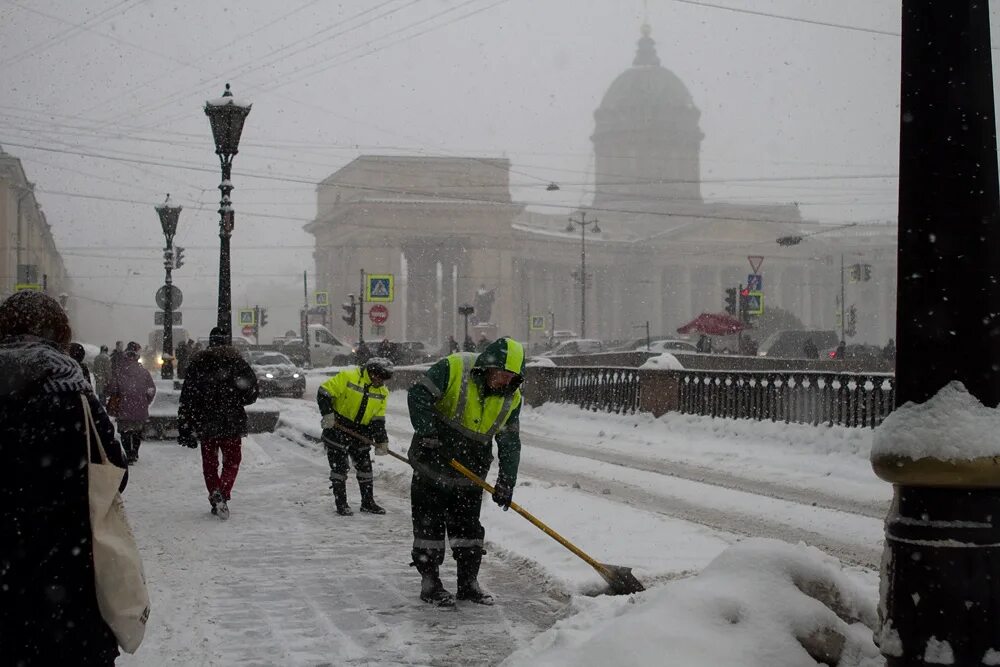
71	584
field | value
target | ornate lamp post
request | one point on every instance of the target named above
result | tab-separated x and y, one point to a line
465	310
168	221
583	224
226	114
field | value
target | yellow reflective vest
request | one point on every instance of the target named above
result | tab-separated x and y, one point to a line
353	398
477	417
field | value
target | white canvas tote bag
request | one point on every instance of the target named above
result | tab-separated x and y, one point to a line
120	582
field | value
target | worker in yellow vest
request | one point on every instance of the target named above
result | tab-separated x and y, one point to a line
352	403
458	408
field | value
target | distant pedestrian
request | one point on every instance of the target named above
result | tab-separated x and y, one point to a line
809	349
117	357
78	354
889	353
483	343
452	345
840	351
217	386
132	390
703	345
468	345
102	372
49	614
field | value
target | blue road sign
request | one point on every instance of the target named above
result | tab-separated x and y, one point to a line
755	282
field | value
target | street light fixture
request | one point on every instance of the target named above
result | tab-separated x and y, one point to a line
583	224
168	222
226	115
465	310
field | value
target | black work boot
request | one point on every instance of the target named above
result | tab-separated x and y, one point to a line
431	589
340	498
368	503
468	581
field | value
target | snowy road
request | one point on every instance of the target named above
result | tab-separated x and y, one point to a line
287	582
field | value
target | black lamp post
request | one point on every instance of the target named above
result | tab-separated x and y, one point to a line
168	221
465	310
583	223
227	115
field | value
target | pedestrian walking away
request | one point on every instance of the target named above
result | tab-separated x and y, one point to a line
352	403
218	385
457	409
78	354
49	613
102	372
130	392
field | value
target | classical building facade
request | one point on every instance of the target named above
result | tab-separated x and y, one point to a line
449	231
28	253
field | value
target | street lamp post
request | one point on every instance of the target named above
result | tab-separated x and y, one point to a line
583	224
226	115
465	310
168	221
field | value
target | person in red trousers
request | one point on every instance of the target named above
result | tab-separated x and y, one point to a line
218	383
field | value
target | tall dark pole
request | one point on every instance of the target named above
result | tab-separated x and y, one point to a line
168	222
227	116
941	569
361	310
843	298
583	224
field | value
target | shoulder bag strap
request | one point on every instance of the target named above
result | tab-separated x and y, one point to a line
90	426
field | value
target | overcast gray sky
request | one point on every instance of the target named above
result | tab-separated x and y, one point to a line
127	79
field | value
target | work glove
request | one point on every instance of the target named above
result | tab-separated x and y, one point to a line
426	441
329	421
381	448
503	494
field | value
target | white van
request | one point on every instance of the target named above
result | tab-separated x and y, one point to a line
325	349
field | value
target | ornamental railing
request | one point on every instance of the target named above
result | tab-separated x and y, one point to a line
594	388
846	399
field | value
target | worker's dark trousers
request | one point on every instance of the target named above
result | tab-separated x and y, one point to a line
338	455
445	506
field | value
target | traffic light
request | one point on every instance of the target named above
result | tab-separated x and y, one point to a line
855	273
350	310
731	300
178	257
263	318
745	305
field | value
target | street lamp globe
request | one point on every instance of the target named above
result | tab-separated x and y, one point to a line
168	217
227	115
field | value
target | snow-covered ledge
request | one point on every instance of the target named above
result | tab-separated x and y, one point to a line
951	440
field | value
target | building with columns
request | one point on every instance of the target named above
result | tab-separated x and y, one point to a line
449	231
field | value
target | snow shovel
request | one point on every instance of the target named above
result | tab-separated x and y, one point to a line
620	579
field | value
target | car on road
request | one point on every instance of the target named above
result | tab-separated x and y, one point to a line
576	346
790	343
668	345
276	374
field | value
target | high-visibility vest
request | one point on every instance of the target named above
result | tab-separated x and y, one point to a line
463	408
354	398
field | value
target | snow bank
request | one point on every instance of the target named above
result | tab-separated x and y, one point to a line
761	603
663	362
952	426
544	362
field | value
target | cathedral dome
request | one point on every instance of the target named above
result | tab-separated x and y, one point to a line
646	84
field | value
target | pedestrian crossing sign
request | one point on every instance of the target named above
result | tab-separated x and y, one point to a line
538	323
379	288
248	317
755	303
322	298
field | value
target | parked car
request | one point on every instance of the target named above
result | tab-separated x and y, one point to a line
669	345
276	374
404	352
790	343
560	335
862	351
639	344
576	346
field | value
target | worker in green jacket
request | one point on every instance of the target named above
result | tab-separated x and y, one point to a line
461	404
352	403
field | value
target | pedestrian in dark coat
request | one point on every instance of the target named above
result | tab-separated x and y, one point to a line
117	357
102	372
132	390
48	603
78	354
809	349
219	383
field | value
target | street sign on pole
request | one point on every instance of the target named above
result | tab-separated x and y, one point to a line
755	262
379	288
538	323
248	331
159	317
248	317
322	298
177	297
755	302
378	314
755	282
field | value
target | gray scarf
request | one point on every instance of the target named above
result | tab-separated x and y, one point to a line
29	364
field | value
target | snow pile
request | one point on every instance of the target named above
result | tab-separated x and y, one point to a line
761	603
663	362
952	426
544	362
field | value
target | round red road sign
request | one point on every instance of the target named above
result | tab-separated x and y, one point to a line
248	331
378	313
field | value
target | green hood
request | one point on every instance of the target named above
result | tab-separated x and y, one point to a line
505	353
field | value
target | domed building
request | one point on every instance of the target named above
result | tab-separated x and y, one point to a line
448	229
